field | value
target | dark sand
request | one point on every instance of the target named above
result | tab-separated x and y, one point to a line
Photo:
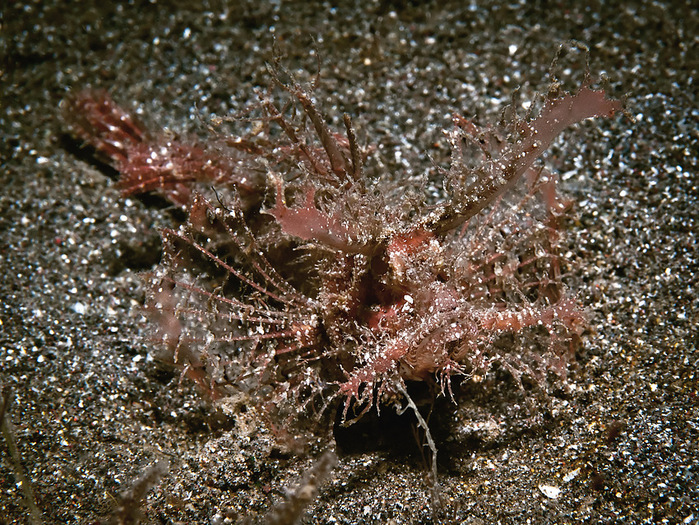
92	411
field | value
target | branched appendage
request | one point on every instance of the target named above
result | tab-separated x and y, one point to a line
217	312
307	222
129	510
155	162
292	508
379	297
505	166
434	483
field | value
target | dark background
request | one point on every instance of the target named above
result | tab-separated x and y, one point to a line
92	411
